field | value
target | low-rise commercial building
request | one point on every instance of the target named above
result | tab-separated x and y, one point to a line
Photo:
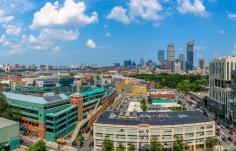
9	134
139	128
48	116
131	86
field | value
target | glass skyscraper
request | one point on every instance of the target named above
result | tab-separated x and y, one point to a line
190	46
160	56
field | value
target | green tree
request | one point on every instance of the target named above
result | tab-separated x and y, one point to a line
120	147
39	146
107	145
179	145
131	147
155	146
78	138
210	143
143	105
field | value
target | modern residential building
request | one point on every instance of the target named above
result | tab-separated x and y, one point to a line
49	116
220	79
9	134
171	52
182	61
160	56
202	65
190	46
139	128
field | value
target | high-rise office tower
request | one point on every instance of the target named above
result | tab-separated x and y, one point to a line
160	56
182	61
171	52
142	63
190	46
127	63
220	86
202	64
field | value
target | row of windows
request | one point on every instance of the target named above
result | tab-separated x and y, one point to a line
134	137
166	130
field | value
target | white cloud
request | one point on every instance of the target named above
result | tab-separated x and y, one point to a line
118	13
91	44
221	32
12	30
71	13
4	18
4	41
17	6
232	16
145	9
56	49
187	7
108	34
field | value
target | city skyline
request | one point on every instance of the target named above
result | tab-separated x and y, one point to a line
103	33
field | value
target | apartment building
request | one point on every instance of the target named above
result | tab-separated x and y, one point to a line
220	79
139	128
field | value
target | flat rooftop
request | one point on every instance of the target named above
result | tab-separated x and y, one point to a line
91	92
5	122
153	118
35	99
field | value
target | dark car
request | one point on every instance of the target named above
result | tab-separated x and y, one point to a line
230	139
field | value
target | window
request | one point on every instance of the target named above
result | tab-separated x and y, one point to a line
178	136
99	135
188	129
98	128
199	134
198	128
155	130
132	131
166	130
133	137
109	136
157	137
178	130
108	129
189	135
209	126
166	137
121	130
208	133
121	136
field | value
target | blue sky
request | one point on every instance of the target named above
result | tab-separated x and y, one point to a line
67	32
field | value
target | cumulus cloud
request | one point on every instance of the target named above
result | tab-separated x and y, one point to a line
147	10
12	30
187	7
91	44
71	13
118	13
4	18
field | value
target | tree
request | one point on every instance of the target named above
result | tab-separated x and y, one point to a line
107	145
39	146
131	147
179	145
210	143
120	147
155	146
78	139
143	105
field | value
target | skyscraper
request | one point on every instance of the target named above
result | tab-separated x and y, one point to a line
127	63
202	64
171	52
142	63
190	46
182	62
160	56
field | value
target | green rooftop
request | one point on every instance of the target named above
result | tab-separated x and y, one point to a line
160	100
91	92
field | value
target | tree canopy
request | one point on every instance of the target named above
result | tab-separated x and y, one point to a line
107	145
131	147
184	83
143	105
155	146
39	146
210	143
120	147
179	145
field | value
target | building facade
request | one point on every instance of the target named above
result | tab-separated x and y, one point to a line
220	78
182	61
46	117
160	56
140	128
171	52
190	46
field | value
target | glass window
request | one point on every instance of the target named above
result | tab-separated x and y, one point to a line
189	135
157	137
121	130
155	130
106	129
178	130
200	134
133	137
188	129
209	133
121	136
166	136
166	130
132	131
99	135
198	128
178	136
209	126
109	135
